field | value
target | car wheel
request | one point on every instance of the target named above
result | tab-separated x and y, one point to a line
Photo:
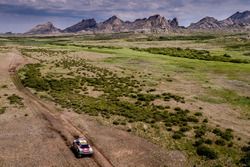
78	154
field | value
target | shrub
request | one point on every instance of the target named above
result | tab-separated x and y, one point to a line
198	142
185	128
169	129
208	141
14	99
192	119
227	135
4	86
198	114
146	97
178	135
227	55
116	123
217	131
220	142
230	144
245	149
245	160
2	110
201	131
205	120
206	152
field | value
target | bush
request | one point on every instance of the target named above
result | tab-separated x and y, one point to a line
217	131
245	160
185	129
116	123
205	120
198	114
245	149
227	55
220	142
208	141
201	131
230	144
2	110
178	135
4	86
198	142
206	152
227	135
14	99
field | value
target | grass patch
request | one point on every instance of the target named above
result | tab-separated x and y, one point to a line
191	54
229	97
186	38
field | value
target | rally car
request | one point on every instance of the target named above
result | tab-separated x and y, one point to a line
81	148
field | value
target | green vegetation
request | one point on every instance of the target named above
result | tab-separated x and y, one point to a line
245	161
108	104
2	110
4	86
14	99
239	47
246	54
186	37
228	97
191	54
227	135
207	152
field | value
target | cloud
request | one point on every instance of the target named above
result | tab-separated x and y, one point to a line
64	12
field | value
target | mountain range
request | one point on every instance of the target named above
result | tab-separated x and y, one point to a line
155	23
237	20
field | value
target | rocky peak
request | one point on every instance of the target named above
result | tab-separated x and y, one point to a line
236	21
112	24
206	23
113	20
174	23
158	21
155	17
240	17
208	19
82	26
47	28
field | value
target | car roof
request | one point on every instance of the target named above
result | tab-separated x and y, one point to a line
82	141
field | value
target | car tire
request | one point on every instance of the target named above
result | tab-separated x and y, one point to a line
78	154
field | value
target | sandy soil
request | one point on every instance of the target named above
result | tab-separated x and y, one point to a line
43	136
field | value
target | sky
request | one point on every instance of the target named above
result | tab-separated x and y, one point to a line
21	15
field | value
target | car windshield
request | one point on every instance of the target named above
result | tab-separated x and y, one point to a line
84	146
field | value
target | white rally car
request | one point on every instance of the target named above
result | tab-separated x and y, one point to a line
81	148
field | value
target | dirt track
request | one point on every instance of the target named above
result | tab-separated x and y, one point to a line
43	137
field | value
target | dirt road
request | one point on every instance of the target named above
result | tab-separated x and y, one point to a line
42	136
